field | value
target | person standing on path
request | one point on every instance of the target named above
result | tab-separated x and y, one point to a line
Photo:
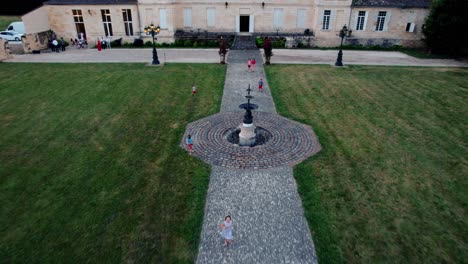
62	43
249	64
253	64
99	47
260	85
108	42
194	89
189	142
226	230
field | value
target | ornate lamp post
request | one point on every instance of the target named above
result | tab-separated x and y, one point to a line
153	31
344	32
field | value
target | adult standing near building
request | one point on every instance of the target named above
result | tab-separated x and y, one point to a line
55	43
99	46
226	230
62	43
108	42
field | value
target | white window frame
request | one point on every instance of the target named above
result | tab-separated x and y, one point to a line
326	19
277	18
381	21
211	17
301	18
163	18
107	22
188	17
410	27
128	23
361	21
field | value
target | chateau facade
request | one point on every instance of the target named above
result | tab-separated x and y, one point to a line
373	22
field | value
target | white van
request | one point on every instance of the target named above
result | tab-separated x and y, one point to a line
16	26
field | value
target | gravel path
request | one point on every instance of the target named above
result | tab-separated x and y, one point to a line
266	210
289	56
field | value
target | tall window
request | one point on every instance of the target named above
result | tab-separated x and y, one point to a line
127	19
301	18
326	19
360	20
79	22
277	18
381	21
163	18
187	17
211	17
106	20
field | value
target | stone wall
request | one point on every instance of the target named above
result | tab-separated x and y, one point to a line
36	20
36	41
4	50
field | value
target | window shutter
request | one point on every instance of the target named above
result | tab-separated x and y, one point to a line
374	16
412	27
187	17
251	24
387	21
237	24
301	18
365	21
162	18
210	17
356	15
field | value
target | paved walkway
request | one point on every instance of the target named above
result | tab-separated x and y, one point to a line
266	210
292	56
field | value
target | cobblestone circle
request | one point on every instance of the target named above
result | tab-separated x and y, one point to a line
290	143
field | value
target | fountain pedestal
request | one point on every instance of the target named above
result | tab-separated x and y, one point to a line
247	130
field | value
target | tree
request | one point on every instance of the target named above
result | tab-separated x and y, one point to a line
445	26
222	50
268	48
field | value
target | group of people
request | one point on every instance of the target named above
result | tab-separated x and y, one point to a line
57	45
102	43
251	64
79	43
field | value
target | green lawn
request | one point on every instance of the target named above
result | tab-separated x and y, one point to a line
5	21
390	184
90	166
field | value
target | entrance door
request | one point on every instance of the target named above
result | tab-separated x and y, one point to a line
244	23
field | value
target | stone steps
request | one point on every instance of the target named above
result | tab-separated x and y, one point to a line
244	43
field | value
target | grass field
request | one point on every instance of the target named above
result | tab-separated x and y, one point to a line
90	166
390	184
5	21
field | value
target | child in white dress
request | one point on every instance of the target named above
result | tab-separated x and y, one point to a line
226	232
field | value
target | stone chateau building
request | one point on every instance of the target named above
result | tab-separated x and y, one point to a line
381	22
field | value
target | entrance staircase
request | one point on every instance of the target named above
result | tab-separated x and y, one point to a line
244	43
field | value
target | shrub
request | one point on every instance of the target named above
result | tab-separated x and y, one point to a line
259	41
195	44
281	43
187	43
138	43
148	43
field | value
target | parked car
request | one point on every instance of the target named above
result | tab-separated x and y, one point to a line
10	35
17	27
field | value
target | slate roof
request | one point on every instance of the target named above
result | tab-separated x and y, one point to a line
393	3
90	2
